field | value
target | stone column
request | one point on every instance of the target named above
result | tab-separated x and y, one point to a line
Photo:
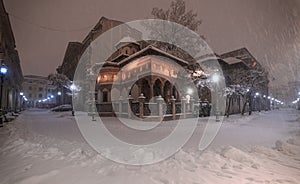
140	85
171	90
130	99
141	105
162	89
151	94
160	101
173	102
183	107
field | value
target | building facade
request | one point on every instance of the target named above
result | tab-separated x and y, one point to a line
38	88
12	81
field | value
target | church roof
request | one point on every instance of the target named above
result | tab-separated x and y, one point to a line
148	51
241	54
232	60
124	41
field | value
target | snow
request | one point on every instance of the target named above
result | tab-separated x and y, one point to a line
47	147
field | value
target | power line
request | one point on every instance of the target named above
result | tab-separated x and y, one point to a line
46	27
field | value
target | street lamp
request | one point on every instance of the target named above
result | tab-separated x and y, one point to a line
189	91
215	78
59	97
3	72
72	87
21	101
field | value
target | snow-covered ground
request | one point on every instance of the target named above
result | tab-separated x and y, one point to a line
47	147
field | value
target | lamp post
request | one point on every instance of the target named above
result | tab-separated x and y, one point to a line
73	88
215	80
21	101
257	102
59	97
3	71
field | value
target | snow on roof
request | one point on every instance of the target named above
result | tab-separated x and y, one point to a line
125	40
151	47
207	57
232	60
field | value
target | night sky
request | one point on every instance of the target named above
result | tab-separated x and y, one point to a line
270	29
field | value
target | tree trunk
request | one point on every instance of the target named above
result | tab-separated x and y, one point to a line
228	106
244	108
250	105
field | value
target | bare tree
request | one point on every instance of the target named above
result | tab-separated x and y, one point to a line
173	34
61	82
245	83
178	13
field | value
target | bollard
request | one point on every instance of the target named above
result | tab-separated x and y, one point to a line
93	116
173	101
217	116
141	105
160	107
120	105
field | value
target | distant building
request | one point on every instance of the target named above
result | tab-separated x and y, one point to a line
240	61
38	88
75	49
12	81
70	60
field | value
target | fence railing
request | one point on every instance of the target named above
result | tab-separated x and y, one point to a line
159	108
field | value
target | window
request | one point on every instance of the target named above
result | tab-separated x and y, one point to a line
105	96
30	95
104	77
40	95
115	77
30	88
40	89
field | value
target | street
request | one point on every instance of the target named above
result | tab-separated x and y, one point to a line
47	147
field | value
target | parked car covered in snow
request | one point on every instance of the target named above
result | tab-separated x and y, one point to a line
65	107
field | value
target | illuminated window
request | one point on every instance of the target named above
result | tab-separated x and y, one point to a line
105	77
98	79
